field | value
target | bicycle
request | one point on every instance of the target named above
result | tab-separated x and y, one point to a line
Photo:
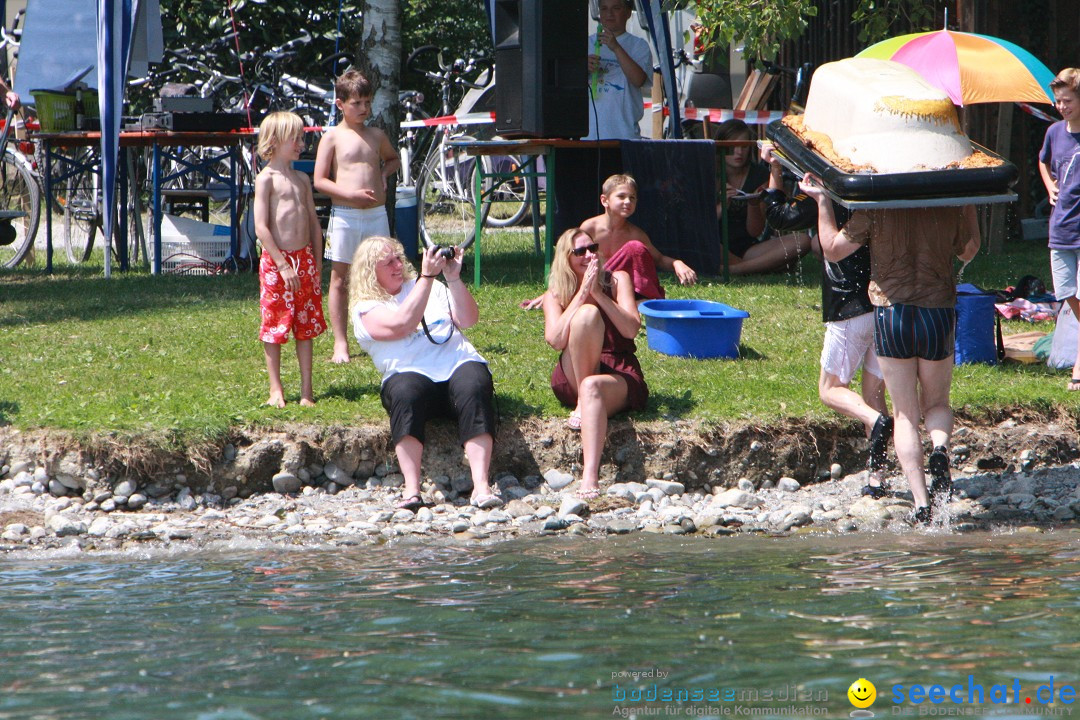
20	201
445	174
20	188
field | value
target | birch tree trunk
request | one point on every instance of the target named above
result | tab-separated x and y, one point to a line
380	60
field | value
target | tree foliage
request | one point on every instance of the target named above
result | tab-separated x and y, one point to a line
260	25
263	24
459	27
877	18
762	25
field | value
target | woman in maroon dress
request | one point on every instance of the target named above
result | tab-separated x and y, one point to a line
591	316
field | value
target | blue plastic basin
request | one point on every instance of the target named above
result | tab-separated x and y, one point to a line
693	328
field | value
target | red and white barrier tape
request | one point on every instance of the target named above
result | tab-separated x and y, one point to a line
466	119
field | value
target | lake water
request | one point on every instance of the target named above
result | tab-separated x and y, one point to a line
542	628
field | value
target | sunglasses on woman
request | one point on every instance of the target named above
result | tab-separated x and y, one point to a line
580	251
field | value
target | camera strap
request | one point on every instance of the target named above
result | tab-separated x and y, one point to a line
423	324
427	331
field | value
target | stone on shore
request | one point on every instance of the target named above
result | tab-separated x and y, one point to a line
556	479
64	525
736	498
787	484
667	487
572	506
285	483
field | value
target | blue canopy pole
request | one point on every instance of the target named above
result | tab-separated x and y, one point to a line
661	36
490	6
115	20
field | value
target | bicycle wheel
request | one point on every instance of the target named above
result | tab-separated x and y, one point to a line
21	198
445	198
82	216
138	212
510	200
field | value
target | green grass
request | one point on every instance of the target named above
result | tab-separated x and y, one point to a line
177	358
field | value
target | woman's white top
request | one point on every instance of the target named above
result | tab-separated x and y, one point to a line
414	352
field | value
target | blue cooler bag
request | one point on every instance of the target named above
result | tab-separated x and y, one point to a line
976	340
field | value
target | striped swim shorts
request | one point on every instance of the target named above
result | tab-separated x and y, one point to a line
908	331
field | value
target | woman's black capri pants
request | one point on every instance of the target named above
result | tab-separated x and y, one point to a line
411	398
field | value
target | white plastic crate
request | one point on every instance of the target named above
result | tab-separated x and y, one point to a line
191	247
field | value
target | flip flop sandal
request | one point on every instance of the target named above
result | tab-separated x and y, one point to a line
1074	385
574	421
486	502
413	502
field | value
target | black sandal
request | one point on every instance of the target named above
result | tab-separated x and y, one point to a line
940	477
413	502
879	441
875	491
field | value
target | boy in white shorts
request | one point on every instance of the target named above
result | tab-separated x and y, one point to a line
849	344
351	166
849	336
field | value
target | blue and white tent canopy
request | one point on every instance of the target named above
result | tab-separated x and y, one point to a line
117	37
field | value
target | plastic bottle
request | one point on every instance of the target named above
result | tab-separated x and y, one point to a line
80	111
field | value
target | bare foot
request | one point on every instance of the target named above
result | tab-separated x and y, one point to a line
276	400
340	356
307	402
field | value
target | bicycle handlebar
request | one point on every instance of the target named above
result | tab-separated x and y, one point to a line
417	53
287	49
331	62
459	66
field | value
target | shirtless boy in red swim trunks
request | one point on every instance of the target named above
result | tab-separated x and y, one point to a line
290	271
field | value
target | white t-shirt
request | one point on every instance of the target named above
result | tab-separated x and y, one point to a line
415	353
617	103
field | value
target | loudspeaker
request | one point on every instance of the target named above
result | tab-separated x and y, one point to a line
541	68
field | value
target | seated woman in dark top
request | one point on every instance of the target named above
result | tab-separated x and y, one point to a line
752	247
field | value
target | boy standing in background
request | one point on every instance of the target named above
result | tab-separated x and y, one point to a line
1059	165
351	166
619	65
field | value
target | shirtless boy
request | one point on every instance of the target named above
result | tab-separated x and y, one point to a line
351	166
619	238
290	270
624	246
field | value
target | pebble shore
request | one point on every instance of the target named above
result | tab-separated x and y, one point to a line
72	506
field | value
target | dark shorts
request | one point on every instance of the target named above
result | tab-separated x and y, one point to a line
411	399
637	392
908	331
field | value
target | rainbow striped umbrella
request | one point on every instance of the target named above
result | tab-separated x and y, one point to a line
970	68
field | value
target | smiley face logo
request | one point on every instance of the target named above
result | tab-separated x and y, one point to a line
862	693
